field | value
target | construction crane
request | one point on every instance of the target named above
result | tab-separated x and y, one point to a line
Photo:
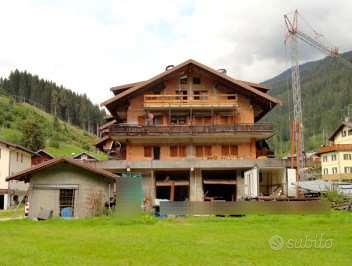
294	34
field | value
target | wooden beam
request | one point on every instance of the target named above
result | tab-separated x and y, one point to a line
219	182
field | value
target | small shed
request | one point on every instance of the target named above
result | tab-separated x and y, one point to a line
67	187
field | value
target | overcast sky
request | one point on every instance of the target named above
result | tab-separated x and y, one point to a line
91	45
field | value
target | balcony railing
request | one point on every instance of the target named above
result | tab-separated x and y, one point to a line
335	147
188	129
221	100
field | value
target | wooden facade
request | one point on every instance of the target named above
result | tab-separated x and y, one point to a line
188	112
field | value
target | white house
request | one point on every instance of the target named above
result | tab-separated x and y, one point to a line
13	158
336	158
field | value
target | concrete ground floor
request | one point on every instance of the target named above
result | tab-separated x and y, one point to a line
211	184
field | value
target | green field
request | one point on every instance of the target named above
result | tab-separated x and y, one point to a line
65	140
179	241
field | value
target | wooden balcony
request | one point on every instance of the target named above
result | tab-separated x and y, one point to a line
335	147
156	130
190	101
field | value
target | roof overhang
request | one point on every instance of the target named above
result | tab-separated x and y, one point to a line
265	100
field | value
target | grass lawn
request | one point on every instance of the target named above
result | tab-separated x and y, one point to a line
179	241
12	213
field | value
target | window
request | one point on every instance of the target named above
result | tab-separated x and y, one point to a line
173	151
21	157
178	120
333	157
347	156
325	171
334	170
203	150
227	150
348	170
349	132
158	120
183	94
325	158
207	150
182	151
67	200
196	80
200	95
184	80
17	156
199	151
178	150
344	133
141	120
0	153
233	150
147	151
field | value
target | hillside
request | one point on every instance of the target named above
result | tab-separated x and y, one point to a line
61	138
326	92
48	96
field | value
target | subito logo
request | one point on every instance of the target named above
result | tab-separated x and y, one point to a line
276	242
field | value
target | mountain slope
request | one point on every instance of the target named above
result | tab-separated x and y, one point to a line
326	92
61	138
64	103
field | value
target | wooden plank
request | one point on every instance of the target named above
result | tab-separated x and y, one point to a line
220	182
170	183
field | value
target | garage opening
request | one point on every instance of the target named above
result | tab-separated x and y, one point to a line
219	185
172	185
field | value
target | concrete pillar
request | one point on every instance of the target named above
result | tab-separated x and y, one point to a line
196	185
149	186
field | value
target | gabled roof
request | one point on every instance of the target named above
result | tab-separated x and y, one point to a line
26	174
43	152
15	146
117	89
84	153
166	73
338	129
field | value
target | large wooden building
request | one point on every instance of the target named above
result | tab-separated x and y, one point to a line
194	133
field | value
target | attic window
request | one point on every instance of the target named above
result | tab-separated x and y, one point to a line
183	80
196	80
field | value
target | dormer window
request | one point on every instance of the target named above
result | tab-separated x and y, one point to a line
196	80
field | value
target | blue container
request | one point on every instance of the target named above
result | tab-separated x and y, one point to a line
67	212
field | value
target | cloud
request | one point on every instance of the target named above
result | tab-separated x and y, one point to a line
89	46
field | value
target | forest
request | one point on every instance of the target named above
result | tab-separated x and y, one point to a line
326	98
54	99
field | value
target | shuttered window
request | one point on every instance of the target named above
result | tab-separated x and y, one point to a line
147	151
207	150
173	151
182	150
199	151
225	150
233	150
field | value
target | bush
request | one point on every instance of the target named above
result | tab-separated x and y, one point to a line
335	196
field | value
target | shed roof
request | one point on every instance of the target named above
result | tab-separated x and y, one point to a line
25	175
15	146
